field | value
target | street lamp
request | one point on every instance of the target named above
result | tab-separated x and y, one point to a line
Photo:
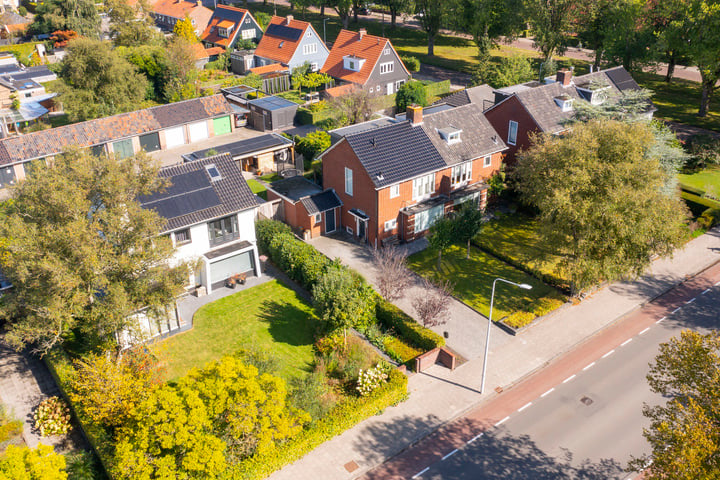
524	286
324	20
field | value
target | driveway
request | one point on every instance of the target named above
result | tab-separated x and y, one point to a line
466	329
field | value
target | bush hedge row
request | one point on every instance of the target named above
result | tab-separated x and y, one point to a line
436	89
704	201
300	261
343	416
268	229
307	117
391	316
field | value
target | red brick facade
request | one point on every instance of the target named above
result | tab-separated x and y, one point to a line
500	116
297	216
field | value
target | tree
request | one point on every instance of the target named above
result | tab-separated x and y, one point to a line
550	23
398	7
468	223
665	19
312	144
512	70
628	39
184	29
109	391
594	25
97	82
601	201
343	299
433	17
23	463
78	15
82	253
180	71
702	26
343	9
354	107
393	275
61	38
150	61
263	19
684	434
488	20
441	236
433	305
132	25
410	93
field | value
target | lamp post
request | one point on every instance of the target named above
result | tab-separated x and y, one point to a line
524	286
324	20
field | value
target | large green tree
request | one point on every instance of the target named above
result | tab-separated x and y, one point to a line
82	253
550	22
398	7
78	15
702	26
601	200
665	19
132	25
433	16
684	433
628	40
97	81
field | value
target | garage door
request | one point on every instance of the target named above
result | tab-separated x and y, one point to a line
123	148
222	269
150	142
221	125
198	131
174	137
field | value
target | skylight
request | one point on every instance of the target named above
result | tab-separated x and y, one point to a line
213	172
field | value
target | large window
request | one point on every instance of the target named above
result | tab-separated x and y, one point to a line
150	142
512	132
182	237
223	230
487	161
390	224
348	181
461	173
309	48
424	220
423	186
387	67
7	176
248	34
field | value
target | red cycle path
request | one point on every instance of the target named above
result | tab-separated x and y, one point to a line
458	432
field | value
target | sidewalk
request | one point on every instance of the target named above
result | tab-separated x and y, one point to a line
439	395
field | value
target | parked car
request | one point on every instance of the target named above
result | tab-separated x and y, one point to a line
364	10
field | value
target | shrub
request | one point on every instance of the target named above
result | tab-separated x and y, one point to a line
709	218
392	317
266	230
371	379
52	417
329	343
435	89
398	350
344	299
412	92
411	63
300	261
312	144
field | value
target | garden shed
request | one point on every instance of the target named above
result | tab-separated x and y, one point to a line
272	113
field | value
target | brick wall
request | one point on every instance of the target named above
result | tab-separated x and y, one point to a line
500	116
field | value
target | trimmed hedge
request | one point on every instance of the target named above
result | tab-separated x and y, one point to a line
343	416
265	230
704	201
392	317
689	189
709	218
307	117
300	261
436	89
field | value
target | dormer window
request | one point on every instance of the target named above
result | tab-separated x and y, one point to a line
351	62
595	92
450	135
565	102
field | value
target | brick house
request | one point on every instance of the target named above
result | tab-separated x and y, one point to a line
366	61
291	43
532	107
228	25
168	12
306	207
396	179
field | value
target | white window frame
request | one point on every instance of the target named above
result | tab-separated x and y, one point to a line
390	224
318	218
487	161
461	174
395	191
314	67
387	67
348	181
248	33
351	64
386	51
310	48
423	186
512	135
399	84
349	230
177	242
372	89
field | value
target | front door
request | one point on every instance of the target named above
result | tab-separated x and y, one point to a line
390	88
330	221
361	229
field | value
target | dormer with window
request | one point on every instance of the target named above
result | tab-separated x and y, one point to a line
565	102
225	28
451	135
595	92
353	63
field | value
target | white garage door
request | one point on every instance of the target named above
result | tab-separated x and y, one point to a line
223	269
198	131
174	137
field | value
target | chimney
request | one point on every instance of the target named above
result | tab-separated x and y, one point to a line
288	19
414	113
199	3
362	32
564	76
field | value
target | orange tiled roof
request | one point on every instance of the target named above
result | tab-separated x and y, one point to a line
341	90
173	8
225	24
211	35
214	51
369	47
273	67
278	48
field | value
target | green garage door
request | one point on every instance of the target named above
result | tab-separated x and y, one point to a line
221	125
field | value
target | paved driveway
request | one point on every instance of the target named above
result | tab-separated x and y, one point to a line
466	328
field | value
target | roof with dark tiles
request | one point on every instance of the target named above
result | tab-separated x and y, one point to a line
102	130
321	202
481	94
232	191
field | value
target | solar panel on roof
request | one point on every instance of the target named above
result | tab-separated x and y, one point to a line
283	31
180	183
242	147
190	202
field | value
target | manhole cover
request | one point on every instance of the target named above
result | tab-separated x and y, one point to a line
586	400
351	466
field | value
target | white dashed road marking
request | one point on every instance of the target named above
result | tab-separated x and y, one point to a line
626	342
450	454
663	318
524	406
568	378
691	300
588	366
475	438
676	310
608	354
502	421
706	291
548	392
644	331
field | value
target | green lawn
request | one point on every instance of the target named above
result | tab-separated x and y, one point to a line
22	51
473	280
705	180
516	239
269	318
258	188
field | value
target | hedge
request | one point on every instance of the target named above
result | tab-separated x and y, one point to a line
435	89
267	229
300	261
709	218
62	371
694	190
392	317
704	201
343	416
306	117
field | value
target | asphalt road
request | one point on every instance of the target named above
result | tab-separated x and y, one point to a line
587	427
